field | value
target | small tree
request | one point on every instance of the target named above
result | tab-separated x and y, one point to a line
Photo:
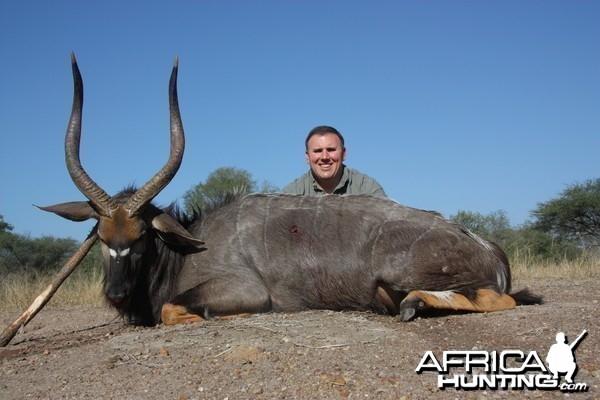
222	185
5	226
494	226
574	215
536	244
43	254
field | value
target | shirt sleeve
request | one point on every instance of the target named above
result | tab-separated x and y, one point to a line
377	190
369	185
297	186
292	188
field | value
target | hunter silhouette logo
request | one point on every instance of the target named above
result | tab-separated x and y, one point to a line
507	369
560	358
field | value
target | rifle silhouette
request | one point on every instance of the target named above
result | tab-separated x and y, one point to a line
576	341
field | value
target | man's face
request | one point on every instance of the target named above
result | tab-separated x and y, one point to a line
325	155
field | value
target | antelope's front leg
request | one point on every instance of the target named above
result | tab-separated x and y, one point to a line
225	297
172	314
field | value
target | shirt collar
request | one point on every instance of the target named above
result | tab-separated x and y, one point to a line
344	180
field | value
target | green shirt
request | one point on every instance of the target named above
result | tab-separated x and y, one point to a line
352	182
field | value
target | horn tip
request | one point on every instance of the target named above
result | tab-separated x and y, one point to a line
42	208
176	62
73	60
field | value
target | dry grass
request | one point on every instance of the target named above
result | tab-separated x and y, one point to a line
528	268
83	288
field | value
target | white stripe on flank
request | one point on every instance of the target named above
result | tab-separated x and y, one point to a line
479	240
446	295
501	281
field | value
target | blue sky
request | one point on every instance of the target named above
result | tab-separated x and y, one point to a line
450	105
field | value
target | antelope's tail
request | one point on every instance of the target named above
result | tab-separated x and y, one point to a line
524	297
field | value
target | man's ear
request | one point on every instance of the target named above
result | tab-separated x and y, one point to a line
75	210
343	154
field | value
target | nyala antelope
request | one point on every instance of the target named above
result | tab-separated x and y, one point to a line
276	252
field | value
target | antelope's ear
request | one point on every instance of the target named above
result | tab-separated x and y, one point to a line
171	231
75	210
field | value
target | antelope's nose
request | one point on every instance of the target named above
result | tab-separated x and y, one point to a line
116	298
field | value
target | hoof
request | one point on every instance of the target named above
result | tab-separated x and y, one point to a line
409	308
407	314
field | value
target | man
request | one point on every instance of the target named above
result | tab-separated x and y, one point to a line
325	154
560	358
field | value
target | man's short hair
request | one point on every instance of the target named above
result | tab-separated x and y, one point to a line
321	130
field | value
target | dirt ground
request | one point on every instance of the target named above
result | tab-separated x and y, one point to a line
91	354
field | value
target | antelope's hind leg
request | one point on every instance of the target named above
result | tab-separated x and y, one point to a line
219	298
486	300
